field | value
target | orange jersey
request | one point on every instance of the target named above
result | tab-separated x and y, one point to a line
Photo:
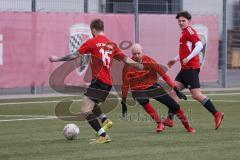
143	79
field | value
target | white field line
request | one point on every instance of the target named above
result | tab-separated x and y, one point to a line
35	102
80	100
46	117
35	116
41	102
220	94
27	117
220	100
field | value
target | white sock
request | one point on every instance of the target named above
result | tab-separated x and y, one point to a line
102	116
101	131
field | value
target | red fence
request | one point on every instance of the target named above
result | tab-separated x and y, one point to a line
29	38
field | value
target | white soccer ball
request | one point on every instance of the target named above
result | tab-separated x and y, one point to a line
71	131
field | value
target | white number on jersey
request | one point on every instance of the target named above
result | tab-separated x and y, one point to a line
105	57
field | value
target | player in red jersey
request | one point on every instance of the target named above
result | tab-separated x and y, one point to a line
102	51
143	85
188	77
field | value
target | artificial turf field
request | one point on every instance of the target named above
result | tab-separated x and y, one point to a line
29	131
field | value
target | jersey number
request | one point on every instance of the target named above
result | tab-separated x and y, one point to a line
105	57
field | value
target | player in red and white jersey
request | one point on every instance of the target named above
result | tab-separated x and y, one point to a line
188	77
102	51
143	85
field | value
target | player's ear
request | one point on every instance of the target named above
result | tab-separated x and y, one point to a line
93	31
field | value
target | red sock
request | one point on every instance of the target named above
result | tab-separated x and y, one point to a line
181	115
152	112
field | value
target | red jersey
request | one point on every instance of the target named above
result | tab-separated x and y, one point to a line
187	43
143	79
102	52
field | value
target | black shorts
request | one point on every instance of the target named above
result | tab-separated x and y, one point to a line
98	91
151	92
189	78
158	93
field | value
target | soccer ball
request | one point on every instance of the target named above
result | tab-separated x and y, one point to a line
71	131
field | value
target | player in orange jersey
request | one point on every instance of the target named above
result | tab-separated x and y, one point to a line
143	85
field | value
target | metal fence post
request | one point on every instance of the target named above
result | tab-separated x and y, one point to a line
33	5
85	6
136	19
224	46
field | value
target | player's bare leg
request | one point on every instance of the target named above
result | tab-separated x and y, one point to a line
86	110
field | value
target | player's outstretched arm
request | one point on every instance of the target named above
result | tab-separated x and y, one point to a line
133	63
160	70
170	82
68	57
173	61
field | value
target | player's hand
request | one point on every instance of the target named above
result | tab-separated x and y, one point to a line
53	58
124	107
171	63
180	94
185	61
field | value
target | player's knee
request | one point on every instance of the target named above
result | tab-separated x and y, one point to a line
85	109
175	107
171	104
197	96
172	93
87	106
143	102
194	96
174	96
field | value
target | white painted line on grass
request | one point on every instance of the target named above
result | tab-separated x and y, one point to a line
80	100
220	94
27	119
26	116
46	117
219	100
35	102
